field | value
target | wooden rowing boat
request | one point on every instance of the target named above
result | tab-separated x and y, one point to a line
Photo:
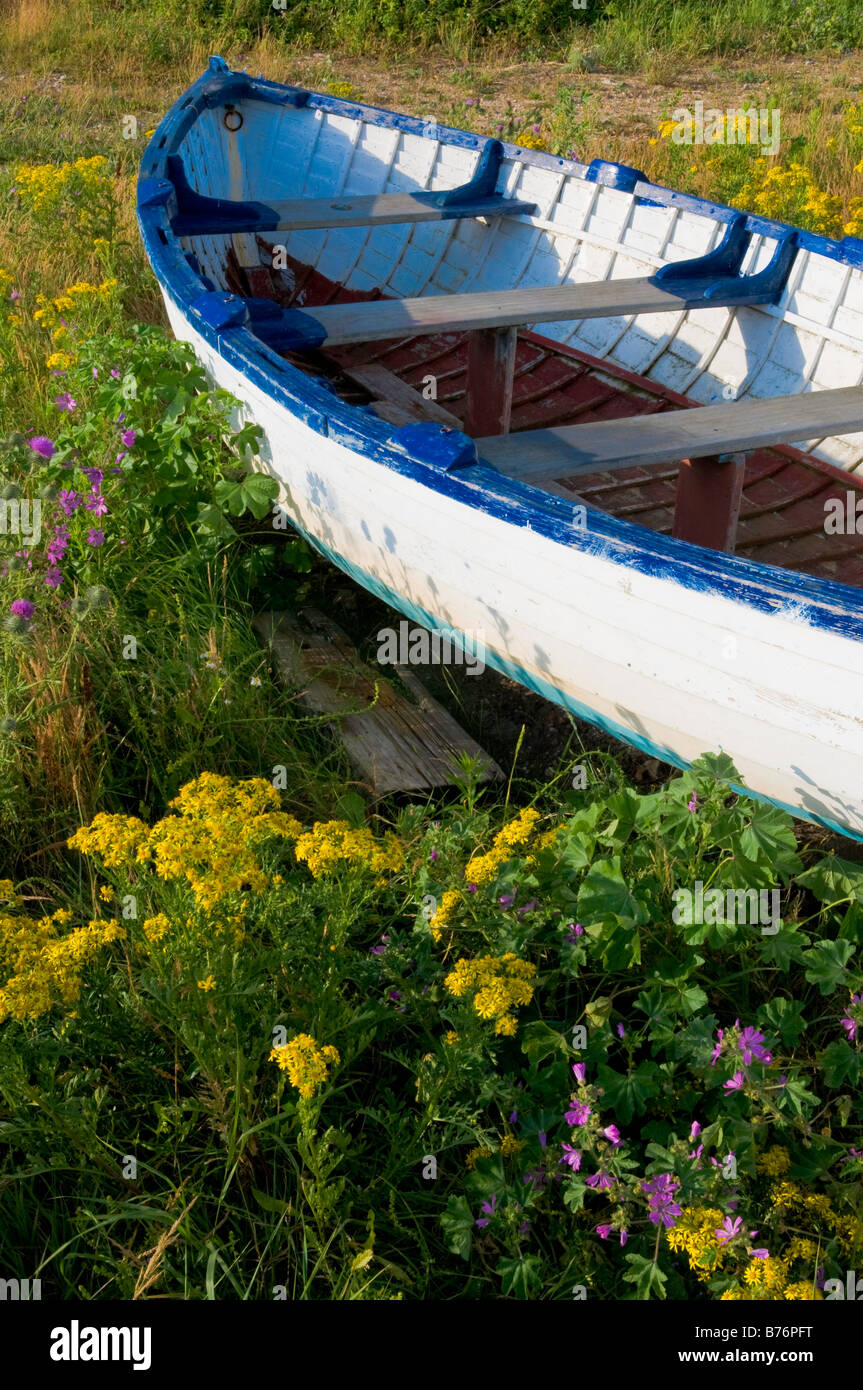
615	429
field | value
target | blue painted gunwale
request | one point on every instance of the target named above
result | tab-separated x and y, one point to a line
424	453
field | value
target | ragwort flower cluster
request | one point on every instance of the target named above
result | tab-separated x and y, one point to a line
499	985
306	1062
41	968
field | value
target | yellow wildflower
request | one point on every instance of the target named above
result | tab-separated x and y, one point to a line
330	844
499	985
483	868
209	983
154	928
774	1161
307	1064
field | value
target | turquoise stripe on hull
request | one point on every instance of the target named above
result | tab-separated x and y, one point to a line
549	692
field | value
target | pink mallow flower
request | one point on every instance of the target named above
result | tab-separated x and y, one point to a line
751	1044
571	1157
95	536
735	1083
728	1230
97	504
612	1133
577	1114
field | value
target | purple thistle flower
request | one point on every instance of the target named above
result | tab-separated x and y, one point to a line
42	446
22	608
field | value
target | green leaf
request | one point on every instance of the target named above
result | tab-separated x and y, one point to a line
520	1277
786	948
574	1193
539	1041
840	1063
826	964
833	879
795	1096
269	1203
458	1225
647	1277
604	893
785	1017
769	839
598	1011
628	1095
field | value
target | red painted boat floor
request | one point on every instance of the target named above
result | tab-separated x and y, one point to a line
783	507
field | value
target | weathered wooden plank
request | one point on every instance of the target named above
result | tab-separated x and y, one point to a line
393	745
732	427
490	367
439	313
363	210
399	397
707	504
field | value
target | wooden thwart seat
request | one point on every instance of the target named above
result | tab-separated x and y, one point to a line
710	442
335	325
366	210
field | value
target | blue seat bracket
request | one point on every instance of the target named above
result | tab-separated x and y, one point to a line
715	279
